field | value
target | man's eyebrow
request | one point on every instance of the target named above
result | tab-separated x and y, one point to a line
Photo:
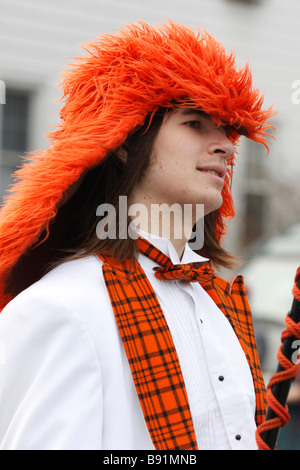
187	112
199	112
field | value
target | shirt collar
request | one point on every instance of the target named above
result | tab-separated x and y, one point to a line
167	248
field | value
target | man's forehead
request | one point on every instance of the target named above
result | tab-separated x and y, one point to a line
186	111
199	112
190	111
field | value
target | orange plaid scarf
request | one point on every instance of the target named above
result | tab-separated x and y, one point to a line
150	349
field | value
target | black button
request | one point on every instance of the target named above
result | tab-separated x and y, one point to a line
238	437
221	378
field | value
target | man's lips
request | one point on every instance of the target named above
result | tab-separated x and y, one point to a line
217	170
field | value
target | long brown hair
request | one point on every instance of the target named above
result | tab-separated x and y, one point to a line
73	233
104	184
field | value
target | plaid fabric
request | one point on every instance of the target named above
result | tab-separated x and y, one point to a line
192	272
152	357
232	301
150	350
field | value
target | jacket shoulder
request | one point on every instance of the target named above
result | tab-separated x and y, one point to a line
75	286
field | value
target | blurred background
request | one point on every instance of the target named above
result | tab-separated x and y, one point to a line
38	38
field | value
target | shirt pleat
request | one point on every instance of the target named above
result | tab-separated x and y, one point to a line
216	373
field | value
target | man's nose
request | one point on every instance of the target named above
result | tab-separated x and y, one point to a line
220	144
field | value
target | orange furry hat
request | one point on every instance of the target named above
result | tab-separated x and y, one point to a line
108	92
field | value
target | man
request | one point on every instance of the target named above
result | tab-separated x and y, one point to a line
118	336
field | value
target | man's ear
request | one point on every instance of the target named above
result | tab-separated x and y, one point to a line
121	154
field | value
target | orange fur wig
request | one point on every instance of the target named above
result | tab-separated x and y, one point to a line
107	93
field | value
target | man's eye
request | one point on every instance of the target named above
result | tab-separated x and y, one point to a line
194	124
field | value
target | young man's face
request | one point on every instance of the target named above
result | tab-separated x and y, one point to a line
188	162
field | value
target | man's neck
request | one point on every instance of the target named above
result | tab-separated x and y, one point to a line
165	224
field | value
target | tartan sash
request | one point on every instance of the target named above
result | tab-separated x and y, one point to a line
232	301
150	349
151	355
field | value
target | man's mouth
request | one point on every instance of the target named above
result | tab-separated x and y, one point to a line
215	170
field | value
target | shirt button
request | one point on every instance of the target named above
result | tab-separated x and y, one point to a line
221	378
238	437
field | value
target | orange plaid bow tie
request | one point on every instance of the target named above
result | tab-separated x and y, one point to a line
191	272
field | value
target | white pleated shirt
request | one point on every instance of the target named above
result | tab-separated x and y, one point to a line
216	373
65	382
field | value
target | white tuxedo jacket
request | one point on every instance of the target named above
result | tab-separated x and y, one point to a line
59	344
65	382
